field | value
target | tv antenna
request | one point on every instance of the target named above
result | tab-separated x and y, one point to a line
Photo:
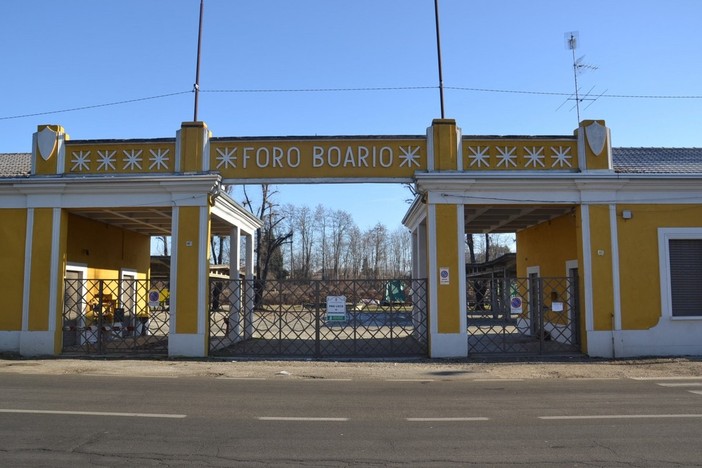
571	41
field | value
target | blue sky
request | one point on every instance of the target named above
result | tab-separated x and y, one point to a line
75	53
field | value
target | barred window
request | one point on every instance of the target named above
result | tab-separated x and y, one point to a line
685	257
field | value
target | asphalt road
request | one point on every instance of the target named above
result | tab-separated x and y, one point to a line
88	420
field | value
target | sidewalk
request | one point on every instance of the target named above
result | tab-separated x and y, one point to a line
537	368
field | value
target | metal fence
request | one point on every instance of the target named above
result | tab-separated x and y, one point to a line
523	315
318	318
115	316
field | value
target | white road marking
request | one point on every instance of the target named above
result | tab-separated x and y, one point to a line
667	378
447	419
622	416
409	380
95	413
241	378
683	384
86	374
592	378
696	392
498	380
287	418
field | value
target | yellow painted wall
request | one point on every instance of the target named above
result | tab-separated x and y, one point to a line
40	276
106	249
510	154
445	144
187	281
602	279
638	258
548	245
447	256
13	226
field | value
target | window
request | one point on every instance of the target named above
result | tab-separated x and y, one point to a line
681	271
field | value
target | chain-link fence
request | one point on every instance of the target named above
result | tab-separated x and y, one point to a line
115	316
319	318
523	315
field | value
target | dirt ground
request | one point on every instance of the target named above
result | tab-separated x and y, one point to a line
537	368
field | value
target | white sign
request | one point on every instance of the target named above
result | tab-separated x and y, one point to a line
444	277
154	297
336	308
515	305
557	306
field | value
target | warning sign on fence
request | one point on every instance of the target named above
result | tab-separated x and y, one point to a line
336	308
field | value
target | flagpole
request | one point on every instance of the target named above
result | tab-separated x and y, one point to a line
438	54
196	87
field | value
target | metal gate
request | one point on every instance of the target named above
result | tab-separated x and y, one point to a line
318	318
115	316
523	315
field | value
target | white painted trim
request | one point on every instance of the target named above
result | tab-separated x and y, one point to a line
448	345
205	149
36	343
203	270
27	279
178	155
173	300
433	274
587	268
459	158
616	286
60	153
430	149
53	274
461	270
10	341
186	344
664	235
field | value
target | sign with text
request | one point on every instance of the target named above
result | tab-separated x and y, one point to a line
336	308
311	158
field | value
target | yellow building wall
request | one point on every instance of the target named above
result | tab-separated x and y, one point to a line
639	263
13	227
106	249
601	261
548	245
40	276
447	256
187	283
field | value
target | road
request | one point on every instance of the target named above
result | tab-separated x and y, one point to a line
91	420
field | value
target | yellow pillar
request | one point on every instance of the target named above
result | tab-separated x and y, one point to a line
48	150
445	252
193	142
45	257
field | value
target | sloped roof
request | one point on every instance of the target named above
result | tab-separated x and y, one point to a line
657	160
15	164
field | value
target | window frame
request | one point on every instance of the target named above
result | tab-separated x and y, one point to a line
664	236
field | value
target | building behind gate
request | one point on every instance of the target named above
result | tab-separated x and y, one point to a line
608	261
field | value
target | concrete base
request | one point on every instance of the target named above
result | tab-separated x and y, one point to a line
9	341
448	345
37	343
187	344
667	338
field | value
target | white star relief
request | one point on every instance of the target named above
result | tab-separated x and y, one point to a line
561	156
507	156
534	156
409	156
107	160
132	160
480	156
158	158
226	158
80	161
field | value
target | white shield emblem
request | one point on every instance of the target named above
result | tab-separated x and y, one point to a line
46	141
596	137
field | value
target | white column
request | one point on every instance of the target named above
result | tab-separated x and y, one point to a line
249	291
234	284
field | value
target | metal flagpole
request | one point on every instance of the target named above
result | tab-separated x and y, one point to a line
438	53
196	87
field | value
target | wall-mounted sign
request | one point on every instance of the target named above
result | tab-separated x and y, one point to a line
515	305
343	158
444	276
